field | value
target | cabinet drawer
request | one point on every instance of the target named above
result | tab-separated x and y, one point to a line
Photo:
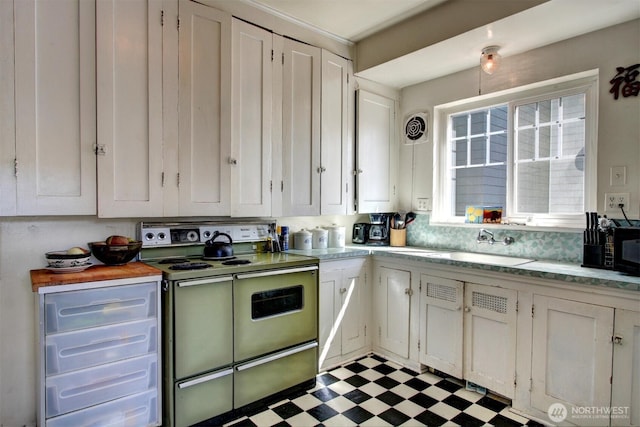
135	410
67	311
87	387
70	351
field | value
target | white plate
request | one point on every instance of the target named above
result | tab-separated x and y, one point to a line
74	269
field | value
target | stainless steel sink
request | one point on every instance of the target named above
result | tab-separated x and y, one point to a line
506	261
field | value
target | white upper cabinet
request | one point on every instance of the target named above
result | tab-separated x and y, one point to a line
204	115
130	134
55	118
336	189
301	129
251	135
164	89
376	153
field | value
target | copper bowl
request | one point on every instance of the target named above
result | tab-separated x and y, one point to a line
115	254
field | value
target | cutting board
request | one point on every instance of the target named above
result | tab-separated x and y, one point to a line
44	277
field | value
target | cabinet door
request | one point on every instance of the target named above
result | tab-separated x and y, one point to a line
204	118
129	72
571	363
352	305
301	129
393	298
251	121
335	168
7	111
376	153
625	387
329	311
490	337
55	107
441	302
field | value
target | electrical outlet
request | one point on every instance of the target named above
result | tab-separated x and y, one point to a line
422	204
613	200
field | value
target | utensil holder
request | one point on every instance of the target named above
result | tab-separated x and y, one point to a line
398	237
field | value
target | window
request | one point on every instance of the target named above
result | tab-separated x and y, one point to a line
530	151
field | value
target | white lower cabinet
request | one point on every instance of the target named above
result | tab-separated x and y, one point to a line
571	361
484	332
392	303
490	337
441	302
625	388
344	298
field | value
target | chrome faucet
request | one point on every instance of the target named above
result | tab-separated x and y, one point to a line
486	236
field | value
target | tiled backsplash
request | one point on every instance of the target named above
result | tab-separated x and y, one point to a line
547	245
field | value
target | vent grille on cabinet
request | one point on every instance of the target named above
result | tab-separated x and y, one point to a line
489	302
441	292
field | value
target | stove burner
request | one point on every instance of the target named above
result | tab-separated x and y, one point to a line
173	261
190	266
219	258
236	262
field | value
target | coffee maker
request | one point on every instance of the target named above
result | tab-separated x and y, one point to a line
379	229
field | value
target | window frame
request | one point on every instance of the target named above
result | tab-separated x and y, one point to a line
585	82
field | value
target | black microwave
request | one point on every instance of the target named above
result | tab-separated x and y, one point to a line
626	250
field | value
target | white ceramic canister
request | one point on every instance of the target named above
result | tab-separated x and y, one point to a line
320	238
302	240
336	236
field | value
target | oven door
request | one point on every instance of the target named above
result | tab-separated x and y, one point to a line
274	309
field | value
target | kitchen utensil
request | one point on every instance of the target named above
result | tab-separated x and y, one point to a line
409	218
396	219
213	249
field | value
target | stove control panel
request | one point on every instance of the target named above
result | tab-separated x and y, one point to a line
158	234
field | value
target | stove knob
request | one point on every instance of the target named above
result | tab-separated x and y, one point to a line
192	236
149	236
162	235
207	234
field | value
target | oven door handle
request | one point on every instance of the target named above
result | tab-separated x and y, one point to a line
276	356
205	281
276	272
206	378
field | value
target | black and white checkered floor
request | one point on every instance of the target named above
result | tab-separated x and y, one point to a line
375	392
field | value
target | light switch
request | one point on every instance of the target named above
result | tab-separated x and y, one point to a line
618	175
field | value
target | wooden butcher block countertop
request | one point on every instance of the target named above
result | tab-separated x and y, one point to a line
95	273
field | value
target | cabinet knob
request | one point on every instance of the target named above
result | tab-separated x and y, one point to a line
233	161
467	309
321	169
617	340
408	291
343	290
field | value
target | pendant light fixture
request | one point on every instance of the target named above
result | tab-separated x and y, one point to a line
490	59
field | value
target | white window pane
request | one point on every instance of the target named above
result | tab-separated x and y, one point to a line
478	122
459	126
478	150
527	115
498	148
526	144
481	186
532	194
499	119
573	107
573	138
460	153
566	190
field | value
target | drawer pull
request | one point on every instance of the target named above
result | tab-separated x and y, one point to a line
277	356
205	281
206	378
276	272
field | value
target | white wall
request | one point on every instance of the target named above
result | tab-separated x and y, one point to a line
619	121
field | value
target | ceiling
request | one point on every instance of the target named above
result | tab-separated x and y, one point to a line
354	20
